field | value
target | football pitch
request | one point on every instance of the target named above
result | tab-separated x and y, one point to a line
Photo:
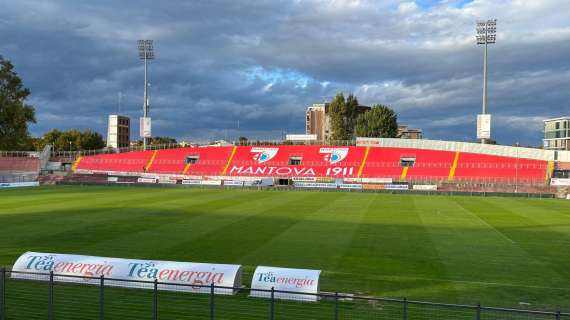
453	249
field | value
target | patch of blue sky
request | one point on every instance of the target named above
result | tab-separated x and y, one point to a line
428	4
276	75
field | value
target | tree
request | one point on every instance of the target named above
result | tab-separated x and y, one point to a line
69	140
15	114
380	122
50	137
343	113
89	140
351	115
155	141
72	140
242	141
337	109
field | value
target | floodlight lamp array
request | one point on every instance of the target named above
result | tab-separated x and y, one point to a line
146	49
486	31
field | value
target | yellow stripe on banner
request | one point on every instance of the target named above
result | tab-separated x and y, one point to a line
363	162
404	173
549	170
76	163
186	167
151	160
229	160
453	167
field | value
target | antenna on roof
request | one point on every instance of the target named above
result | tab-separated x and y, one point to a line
120	98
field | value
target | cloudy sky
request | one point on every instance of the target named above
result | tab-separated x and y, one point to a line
230	68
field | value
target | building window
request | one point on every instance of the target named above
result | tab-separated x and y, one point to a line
295	161
191	159
407	162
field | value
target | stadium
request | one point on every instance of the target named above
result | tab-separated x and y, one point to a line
398	229
358	216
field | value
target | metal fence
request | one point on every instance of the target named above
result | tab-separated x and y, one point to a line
54	297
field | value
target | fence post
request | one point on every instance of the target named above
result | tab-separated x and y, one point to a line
102	298
405	311
272	315
3	294
336	306
478	315
155	301
50	296
212	301
558	315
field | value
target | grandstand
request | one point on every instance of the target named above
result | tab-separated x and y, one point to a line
19	167
370	161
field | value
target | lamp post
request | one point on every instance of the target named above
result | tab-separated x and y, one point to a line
146	52
486	34
517	170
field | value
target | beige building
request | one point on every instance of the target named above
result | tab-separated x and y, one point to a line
318	120
118	131
557	134
404	132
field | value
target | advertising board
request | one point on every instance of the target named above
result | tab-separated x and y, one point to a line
147	180
145	127
483	126
19	184
315	185
192	182
211	182
89	269
355	186
285	279
233	183
396	187
369	180
559	182
425	187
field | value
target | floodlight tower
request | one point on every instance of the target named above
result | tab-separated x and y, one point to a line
146	52
486	34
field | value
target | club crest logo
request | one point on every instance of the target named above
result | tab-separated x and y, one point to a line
334	155
262	155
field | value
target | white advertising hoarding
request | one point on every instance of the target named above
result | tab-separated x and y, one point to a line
192	182
146	180
350	186
559	182
19	184
286	279
396	187
145	127
483	126
424	187
89	269
211	182
369	180
233	183
304	179
315	185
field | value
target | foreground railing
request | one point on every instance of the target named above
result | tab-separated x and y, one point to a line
45	296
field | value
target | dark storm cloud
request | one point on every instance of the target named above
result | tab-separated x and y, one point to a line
255	65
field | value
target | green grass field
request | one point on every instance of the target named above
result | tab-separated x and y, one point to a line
497	251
